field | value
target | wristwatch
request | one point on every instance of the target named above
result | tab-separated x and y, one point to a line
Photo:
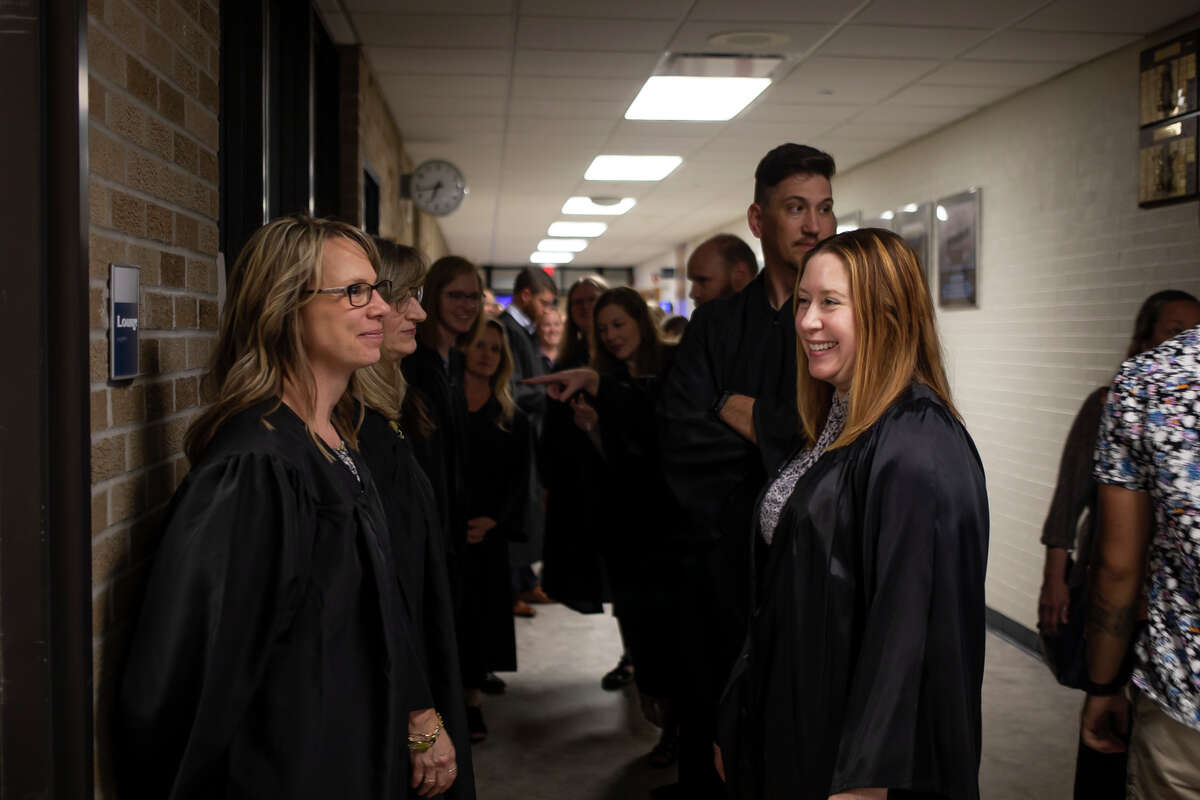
721	401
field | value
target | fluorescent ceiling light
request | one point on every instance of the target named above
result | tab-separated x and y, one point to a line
911	208
699	99
942	214
562	245
550	258
584	229
847	226
888	215
631	168
588	205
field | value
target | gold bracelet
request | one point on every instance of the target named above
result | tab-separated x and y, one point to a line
420	742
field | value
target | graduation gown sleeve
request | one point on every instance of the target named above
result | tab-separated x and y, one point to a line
228	577
912	712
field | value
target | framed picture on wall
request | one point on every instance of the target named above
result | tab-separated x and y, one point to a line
1167	162
1168	79
957	231
914	223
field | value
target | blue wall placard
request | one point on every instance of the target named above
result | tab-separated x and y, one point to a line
124	288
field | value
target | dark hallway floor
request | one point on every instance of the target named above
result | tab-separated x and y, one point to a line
556	735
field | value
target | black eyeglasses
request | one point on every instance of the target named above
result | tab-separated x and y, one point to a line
401	298
359	294
464	297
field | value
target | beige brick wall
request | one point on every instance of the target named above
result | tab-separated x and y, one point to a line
382	148
153	137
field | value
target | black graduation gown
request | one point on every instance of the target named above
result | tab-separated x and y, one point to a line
575	475
864	663
418	544
528	363
496	480
442	388
737	344
644	532
272	656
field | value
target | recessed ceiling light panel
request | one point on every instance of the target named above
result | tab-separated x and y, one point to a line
590	205
586	230
550	258
697	99
562	245
631	168
748	40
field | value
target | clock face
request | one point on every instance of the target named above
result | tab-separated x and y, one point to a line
437	187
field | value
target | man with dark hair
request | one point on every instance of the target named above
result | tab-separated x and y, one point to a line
719	267
533	293
728	418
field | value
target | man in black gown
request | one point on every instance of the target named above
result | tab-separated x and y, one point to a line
728	420
533	293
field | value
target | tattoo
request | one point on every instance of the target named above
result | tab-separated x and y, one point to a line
1116	622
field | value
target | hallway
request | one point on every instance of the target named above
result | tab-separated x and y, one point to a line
556	735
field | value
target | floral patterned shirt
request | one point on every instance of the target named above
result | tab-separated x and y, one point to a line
1148	443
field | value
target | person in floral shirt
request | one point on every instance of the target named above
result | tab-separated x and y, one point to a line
1148	468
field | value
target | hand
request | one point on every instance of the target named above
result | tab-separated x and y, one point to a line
477	528
1104	724
1054	605
586	417
719	762
436	768
561	385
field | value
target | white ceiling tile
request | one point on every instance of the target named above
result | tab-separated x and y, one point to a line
449	127
539	128
1110	16
773	10
882	131
433	61
665	129
409	7
846	151
848	80
614	9
887	41
568	109
436	106
693	37
652	145
952	13
444	86
554	33
590	64
614	89
769	111
994	73
780	131
461	31
936	115
973	96
1043	46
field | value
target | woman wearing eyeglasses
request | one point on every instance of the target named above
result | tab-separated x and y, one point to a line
397	440
273	655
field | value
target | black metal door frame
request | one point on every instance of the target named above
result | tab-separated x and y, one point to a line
45	486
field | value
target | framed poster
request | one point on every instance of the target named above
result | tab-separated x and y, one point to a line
1167	162
957	232
914	223
1168	79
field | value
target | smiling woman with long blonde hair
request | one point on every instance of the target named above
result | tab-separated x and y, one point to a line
864	664
268	610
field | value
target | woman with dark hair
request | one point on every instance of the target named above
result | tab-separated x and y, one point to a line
863	666
572	571
500	440
394	423
641	550
273	655
1071	523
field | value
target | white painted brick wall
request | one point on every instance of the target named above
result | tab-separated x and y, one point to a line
1067	258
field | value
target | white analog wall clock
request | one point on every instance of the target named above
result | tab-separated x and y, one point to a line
437	187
